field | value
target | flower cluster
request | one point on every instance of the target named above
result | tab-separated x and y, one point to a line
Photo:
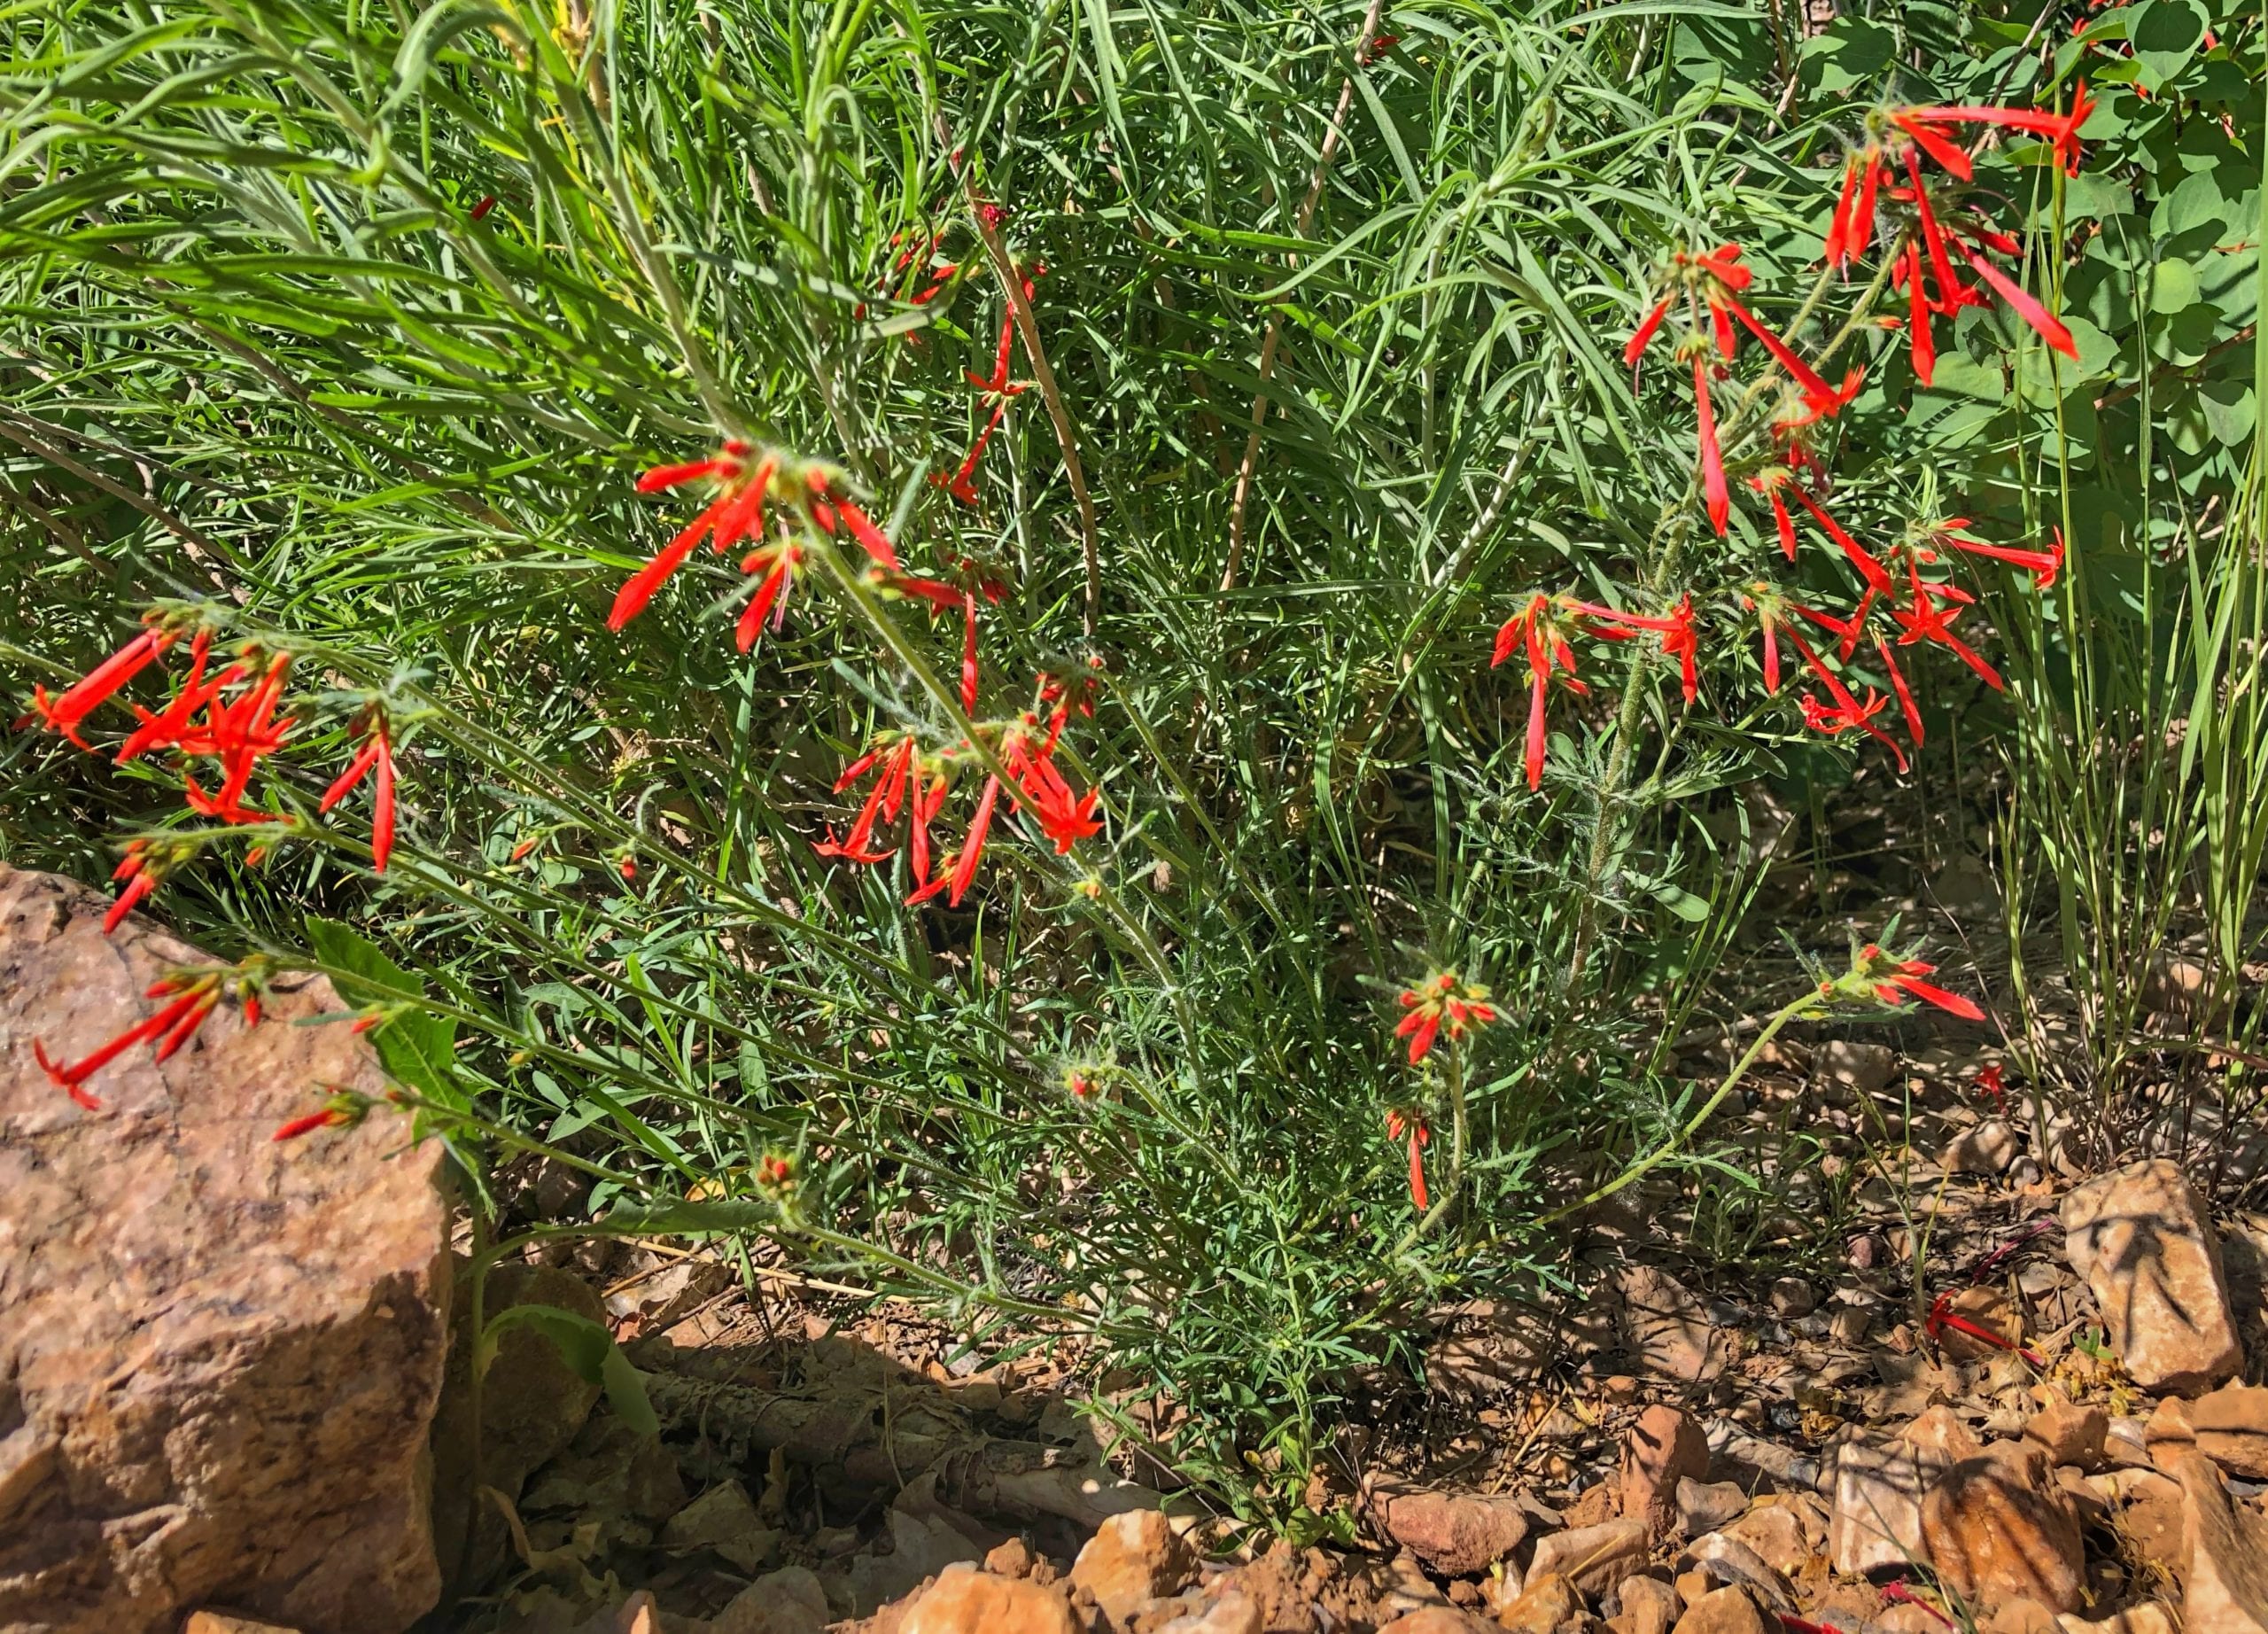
1443	1002
232	718
189	997
806	500
1904	186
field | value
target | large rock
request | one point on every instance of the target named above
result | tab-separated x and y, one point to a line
964	1600
1877	1516
1996	1530
221	1354
1667	1445
1548	1602
1666	1327
2224	1590
2141	1241
1458	1534
1132	1559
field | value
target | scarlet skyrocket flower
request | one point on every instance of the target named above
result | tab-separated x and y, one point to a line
895	754
2043	565
67	713
1893	978
744	479
1923	620
1535	630
1675	630
1943	1316
1848	712
191	999
377	751
1443	1001
1400	1126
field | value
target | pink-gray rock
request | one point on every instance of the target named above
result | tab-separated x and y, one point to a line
1996	1529
1666	1327
2141	1241
1705	1507
1667	1445
1723	1611
1132	1559
1549	1603
1593	1558
964	1600
221	1354
1877	1515
2230	1427
2069	1433
1458	1534
2225	1588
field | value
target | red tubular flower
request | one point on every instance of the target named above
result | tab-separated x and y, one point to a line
330	1117
826	508
377	751
1919	338
972	850
732	517
173	727
1877	576
884	801
139	886
1676	629
1926	621
72	1078
2043	565
2050	329
1535	630
1769	482
1712	466
1915	122
2062	129
1853	226
1994	1083
1639	337
779	564
1898	685
1848	712
1897	977
65	714
1443	1000
1408	1125
1942	1316
1827	399
1952	294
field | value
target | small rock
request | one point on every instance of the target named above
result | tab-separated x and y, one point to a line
1988	1148
1706	1506
2150	1617
2225	1588
2167	1434
1132	1559
1667	1328
2020	1616
1438	1620
1907	1618
1862	1069
1728	1561
788	1601
1724	1611
1458	1534
2231	1428
1992	1535
722	1519
1776	1534
1941	1430
1648	1606
2125	1443
1792	1297
1013	1559
1548	1603
1690	1586
2069	1433
1665	1447
1406	1588
965	1600
1231	1614
2141	1241
1877	1516
222	1623
1593	1558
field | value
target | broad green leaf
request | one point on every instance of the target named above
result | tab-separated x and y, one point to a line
416	1045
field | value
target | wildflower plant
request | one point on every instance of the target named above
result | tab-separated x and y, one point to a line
902	633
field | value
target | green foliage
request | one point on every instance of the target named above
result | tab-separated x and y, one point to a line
588	1348
269	352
